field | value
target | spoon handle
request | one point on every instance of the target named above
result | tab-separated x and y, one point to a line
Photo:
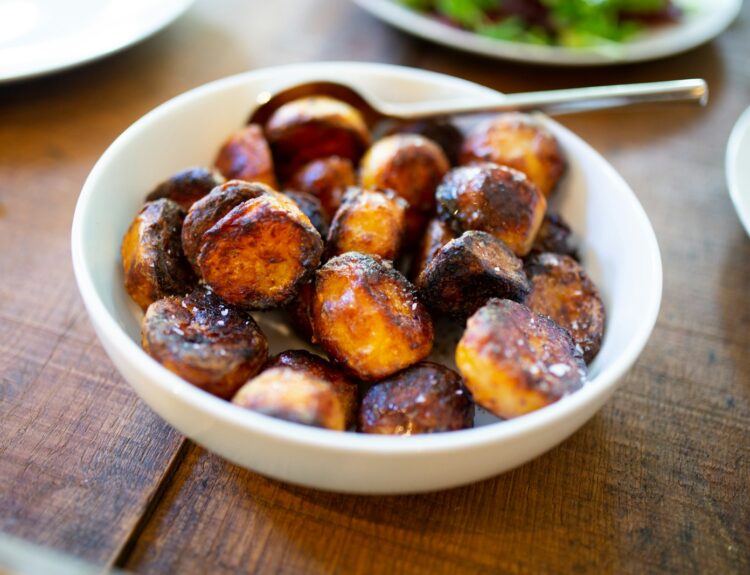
559	101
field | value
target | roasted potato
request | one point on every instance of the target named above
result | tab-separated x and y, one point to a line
207	342
295	396
327	179
440	130
298	311
246	156
152	259
494	199
316	366
412	166
370	222
561	290
514	361
187	187
424	398
554	236
210	209
437	234
260	253
367	317
521	142
315	127
313	209
468	271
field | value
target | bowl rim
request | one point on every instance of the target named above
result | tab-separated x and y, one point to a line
154	373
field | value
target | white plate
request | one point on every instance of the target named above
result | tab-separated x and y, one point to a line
738	168
42	36
617	241
704	20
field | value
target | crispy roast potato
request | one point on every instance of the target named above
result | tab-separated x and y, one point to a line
313	209
298	311
521	142
437	234
468	271
554	236
562	290
495	199
207	342
316	366
424	398
246	156
412	166
210	209
187	187
367	317
370	222
327	179
295	396
152	259
315	127
514	361
259	254
440	130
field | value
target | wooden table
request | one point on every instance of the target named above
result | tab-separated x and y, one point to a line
656	482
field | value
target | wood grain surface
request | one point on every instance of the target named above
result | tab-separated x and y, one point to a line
657	482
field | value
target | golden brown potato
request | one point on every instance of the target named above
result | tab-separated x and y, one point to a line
554	236
440	130
210	209
562	290
246	156
437	234
315	127
259	254
514	361
370	222
295	396
313	209
212	345
298	311
327	179
152	259
424	398
187	187
316	366
494	199
412	166
468	271
367	317
521	142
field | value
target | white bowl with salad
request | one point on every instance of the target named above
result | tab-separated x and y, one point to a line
562	32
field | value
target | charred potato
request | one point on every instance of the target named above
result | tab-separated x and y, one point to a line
315	127
259	254
367	317
370	222
210	209
187	187
424	398
514	361
298	311
316	366
520	142
246	156
554	236
212	345
152	259
440	130
326	179
437	234
295	396
562	291
468	271
495	199
313	209
412	166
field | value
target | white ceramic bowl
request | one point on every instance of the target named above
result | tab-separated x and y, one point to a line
618	245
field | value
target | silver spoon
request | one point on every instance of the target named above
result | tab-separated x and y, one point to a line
549	102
